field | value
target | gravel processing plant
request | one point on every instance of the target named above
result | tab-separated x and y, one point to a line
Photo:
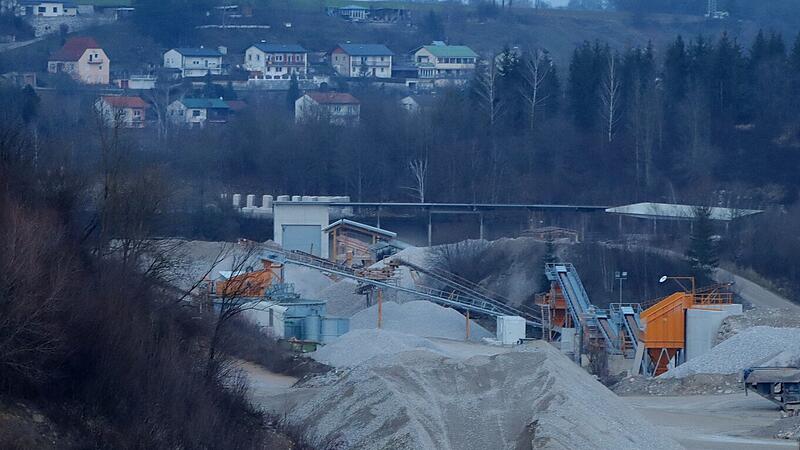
419	365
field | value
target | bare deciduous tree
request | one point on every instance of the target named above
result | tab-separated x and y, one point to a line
487	88
536	69
610	96
419	171
229	303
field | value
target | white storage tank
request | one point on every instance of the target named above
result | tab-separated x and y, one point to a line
296	198
283	198
251	200
237	200
510	329
266	201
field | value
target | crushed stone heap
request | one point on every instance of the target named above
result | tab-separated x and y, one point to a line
419	399
420	318
757	346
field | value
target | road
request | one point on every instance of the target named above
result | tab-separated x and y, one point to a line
755	294
713	422
19	44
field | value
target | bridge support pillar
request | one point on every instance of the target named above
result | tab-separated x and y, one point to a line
430	228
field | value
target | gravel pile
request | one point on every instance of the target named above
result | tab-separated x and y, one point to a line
358	346
420	318
778	318
751	347
518	400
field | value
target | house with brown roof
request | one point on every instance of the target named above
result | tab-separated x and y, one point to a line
338	108
83	59
128	111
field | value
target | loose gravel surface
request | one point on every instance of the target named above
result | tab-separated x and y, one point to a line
699	384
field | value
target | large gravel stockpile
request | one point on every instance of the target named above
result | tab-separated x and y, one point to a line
778	318
421	318
519	400
358	346
751	347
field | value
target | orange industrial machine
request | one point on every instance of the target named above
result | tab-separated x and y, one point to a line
664	321
248	284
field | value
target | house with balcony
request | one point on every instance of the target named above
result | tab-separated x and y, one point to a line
445	63
198	112
194	62
362	60
82	59
44	8
276	61
335	107
127	111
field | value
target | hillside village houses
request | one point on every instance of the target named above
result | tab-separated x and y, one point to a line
440	61
362	60
336	107
127	111
427	66
198	112
194	62
276	61
83	59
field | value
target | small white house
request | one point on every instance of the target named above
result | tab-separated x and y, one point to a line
198	112
415	104
276	61
44	8
194	62
336	107
362	60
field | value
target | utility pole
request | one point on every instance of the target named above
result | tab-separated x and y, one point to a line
620	276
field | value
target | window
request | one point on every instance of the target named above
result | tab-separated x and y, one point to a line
249	56
258	57
278	57
42	9
195	113
55	9
136	113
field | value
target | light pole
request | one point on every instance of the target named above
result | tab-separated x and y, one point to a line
620	276
664	278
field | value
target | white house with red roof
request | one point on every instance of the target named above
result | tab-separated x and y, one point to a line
83	59
338	108
128	111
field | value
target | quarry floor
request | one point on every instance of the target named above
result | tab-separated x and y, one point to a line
713	421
